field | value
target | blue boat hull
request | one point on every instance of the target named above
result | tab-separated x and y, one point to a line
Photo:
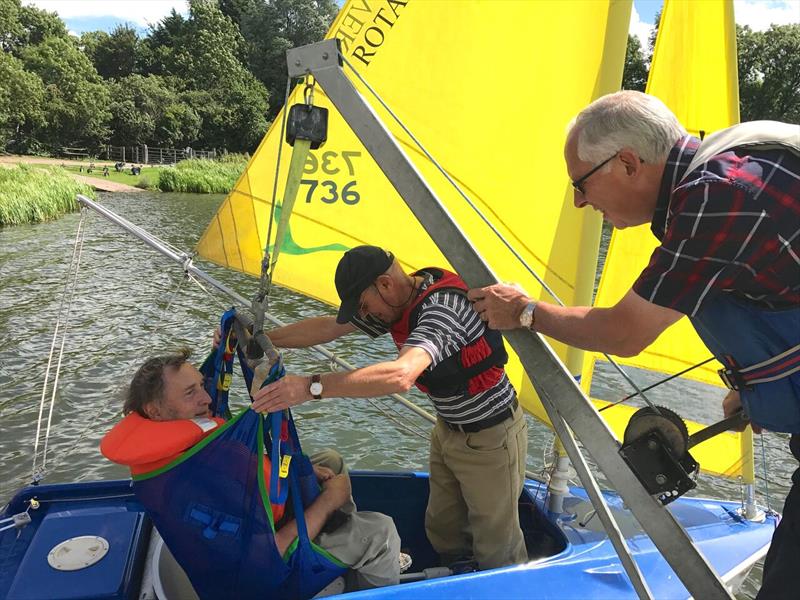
569	558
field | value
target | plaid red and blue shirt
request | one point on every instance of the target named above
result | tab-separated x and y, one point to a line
732	225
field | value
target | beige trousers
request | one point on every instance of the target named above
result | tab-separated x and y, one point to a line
476	480
367	542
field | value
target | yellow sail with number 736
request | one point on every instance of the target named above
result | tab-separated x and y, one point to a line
488	87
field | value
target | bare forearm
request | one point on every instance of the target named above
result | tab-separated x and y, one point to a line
316	516
375	380
584	327
309	332
624	329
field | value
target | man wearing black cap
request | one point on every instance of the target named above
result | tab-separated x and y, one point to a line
479	443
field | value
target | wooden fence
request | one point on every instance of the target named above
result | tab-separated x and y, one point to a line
146	155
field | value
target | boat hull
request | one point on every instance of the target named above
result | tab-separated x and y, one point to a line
570	557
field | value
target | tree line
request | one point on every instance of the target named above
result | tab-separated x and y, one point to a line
217	77
212	79
768	70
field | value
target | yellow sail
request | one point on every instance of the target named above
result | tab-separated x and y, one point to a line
489	88
694	72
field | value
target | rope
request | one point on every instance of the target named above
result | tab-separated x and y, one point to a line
89	428
265	283
764	469
657	383
64	314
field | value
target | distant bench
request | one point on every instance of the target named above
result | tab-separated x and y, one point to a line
75	152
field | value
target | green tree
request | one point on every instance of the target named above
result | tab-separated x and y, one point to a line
147	110
113	55
769	73
237	10
634	76
37	25
75	98
21	105
273	26
21	26
206	53
10	27
651	40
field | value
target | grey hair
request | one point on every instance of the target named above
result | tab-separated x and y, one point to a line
627	119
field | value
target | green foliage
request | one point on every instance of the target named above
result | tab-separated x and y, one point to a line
31	194
202	176
10	27
273	26
769	73
38	25
21	105
75	97
205	53
115	55
147	110
634	76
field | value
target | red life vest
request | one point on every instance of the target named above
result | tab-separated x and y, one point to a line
475	368
144	445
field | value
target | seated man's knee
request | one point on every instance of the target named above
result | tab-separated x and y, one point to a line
329	458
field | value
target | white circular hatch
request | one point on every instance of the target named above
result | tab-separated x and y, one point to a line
77	553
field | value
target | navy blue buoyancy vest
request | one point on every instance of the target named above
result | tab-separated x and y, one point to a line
739	333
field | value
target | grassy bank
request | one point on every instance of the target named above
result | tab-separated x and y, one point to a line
31	194
143	180
201	176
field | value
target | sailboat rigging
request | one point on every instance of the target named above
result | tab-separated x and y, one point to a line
345	200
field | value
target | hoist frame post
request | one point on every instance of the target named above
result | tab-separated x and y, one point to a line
560	394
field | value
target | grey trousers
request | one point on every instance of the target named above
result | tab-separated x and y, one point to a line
367	542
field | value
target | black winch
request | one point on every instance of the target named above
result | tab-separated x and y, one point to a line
656	447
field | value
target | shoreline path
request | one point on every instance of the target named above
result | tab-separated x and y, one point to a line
98	183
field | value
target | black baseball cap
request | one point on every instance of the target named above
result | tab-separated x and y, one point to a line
356	271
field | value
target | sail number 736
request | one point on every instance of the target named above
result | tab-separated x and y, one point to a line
330	190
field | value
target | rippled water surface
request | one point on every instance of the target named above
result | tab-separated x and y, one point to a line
130	303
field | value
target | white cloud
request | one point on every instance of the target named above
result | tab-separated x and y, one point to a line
639	28
132	11
759	15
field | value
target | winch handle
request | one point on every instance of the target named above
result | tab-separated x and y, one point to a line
733	422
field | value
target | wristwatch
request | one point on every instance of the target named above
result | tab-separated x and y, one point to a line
527	318
316	387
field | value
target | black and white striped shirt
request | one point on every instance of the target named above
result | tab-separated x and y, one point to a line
447	323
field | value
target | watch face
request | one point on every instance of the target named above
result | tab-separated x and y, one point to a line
526	317
316	388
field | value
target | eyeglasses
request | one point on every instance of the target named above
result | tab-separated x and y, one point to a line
577	184
362	304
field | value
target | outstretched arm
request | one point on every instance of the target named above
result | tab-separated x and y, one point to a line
380	379
624	329
309	332
335	492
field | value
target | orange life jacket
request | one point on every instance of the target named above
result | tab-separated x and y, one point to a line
144	445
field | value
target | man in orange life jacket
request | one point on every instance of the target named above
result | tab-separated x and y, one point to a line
167	412
479	443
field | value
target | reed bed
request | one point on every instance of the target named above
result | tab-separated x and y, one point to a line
202	176
32	194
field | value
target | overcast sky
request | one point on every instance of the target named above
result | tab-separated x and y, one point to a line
91	15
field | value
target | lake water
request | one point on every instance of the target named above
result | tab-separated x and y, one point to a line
131	302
